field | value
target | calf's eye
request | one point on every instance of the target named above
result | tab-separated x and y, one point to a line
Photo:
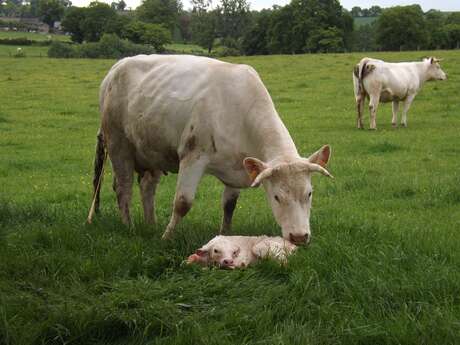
309	195
216	251
277	198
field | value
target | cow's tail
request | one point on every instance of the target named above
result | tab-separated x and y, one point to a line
99	162
360	71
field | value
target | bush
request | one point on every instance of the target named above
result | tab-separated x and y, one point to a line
61	50
20	41
109	47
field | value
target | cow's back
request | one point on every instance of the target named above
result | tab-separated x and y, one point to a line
152	99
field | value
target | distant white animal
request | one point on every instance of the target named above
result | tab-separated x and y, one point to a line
391	82
241	251
196	116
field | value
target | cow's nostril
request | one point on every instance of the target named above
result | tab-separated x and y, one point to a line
299	239
228	262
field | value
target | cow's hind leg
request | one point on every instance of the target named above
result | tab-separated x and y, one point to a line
373	105
359	109
395	108
190	173
123	168
229	199
148	184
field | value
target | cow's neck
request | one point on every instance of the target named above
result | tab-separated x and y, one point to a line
274	143
422	70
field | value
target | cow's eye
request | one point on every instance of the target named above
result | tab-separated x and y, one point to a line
235	253
277	198
216	251
309	195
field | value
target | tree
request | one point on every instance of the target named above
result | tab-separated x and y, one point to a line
71	23
255	40
435	22
204	29
375	11
233	18
164	12
364	38
356	12
97	18
184	24
147	33
50	11
326	40
402	27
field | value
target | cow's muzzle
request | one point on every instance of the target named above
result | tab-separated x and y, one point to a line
299	239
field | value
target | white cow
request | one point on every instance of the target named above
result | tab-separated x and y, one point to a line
391	82
241	251
195	115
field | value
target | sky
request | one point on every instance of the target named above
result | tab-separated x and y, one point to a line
443	5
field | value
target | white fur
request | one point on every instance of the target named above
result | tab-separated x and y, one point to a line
241	251
196	116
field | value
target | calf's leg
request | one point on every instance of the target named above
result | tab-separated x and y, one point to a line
190	173
229	199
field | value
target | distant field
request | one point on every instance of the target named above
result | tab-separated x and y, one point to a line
33	36
383	266
363	20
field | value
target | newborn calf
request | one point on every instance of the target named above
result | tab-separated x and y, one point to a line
240	251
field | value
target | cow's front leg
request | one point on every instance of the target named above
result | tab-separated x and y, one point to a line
407	104
190	173
394	119
229	199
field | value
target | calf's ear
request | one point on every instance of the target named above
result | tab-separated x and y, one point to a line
202	253
254	167
321	157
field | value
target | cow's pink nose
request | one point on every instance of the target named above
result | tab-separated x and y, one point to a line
228	262
299	239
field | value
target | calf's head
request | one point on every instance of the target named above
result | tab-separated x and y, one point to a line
219	251
434	71
289	190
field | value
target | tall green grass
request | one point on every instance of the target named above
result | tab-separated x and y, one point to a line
382	267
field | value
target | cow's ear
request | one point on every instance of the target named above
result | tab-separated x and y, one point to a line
254	167
321	157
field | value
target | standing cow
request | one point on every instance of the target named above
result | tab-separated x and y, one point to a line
195	115
391	82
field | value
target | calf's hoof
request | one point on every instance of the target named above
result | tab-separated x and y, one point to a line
394	125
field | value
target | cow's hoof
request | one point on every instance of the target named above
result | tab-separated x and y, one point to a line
394	125
404	125
373	129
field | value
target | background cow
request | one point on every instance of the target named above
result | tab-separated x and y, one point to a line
195	115
391	82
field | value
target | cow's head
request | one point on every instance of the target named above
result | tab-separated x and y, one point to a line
434	71
289	190
219	251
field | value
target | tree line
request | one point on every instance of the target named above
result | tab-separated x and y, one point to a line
302	26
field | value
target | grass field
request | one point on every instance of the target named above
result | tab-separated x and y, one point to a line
34	36
383	266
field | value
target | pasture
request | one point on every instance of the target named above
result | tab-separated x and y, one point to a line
382	268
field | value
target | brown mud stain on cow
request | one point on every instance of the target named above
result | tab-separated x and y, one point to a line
182	206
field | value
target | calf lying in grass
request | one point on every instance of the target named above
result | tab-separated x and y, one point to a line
240	251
